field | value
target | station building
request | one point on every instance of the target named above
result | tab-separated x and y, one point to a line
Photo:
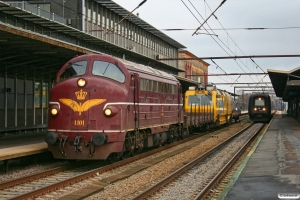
195	69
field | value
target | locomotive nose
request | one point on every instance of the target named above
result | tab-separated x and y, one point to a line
50	138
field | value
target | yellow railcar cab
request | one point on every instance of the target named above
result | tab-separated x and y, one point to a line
209	99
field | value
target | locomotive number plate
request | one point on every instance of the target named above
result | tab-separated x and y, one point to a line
79	122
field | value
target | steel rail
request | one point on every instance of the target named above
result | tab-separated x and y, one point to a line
33	177
207	189
78	178
148	192
92	173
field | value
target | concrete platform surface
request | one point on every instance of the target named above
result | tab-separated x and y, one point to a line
274	167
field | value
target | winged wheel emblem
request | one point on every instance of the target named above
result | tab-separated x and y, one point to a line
81	107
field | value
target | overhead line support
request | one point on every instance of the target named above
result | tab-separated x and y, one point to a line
232	57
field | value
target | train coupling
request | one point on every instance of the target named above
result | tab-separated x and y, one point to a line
78	148
61	146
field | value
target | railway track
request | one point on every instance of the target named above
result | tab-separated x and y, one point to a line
180	184
37	185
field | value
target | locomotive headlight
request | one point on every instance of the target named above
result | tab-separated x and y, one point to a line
81	82
255	109
54	111
110	111
107	112
264	109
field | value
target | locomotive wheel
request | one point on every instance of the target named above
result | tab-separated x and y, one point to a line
185	132
125	155
180	133
191	130
207	127
113	157
177	133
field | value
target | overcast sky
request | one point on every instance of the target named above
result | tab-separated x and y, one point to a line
171	14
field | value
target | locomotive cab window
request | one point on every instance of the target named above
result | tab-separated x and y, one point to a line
109	70
259	102
199	100
73	69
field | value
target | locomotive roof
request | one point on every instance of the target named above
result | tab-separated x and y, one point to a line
144	68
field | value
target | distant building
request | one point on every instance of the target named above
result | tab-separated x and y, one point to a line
196	70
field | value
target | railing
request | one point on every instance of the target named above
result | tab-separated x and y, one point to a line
38	11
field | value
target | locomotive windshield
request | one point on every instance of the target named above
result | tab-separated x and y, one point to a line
73	69
259	102
108	70
199	100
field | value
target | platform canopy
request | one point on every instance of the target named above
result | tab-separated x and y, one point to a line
286	84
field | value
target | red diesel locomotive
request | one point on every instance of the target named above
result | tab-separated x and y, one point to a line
103	107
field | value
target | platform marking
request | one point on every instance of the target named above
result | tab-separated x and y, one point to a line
241	167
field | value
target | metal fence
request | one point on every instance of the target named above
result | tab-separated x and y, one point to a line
38	11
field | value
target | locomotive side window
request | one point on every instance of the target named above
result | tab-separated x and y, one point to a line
73	69
259	102
199	99
155	86
109	70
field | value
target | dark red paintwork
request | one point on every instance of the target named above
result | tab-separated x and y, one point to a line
156	112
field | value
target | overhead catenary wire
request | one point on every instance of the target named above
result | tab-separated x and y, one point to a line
232	29
236	44
212	31
209	16
232	40
200	23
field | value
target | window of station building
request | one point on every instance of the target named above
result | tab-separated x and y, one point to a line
94	17
37	95
10	92
103	22
122	31
119	29
109	70
99	20
112	24
89	15
20	94
29	93
45	96
107	23
73	70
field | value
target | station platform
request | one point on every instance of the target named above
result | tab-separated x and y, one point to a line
272	168
28	144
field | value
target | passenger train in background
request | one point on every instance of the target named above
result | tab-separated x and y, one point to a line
103	107
261	108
